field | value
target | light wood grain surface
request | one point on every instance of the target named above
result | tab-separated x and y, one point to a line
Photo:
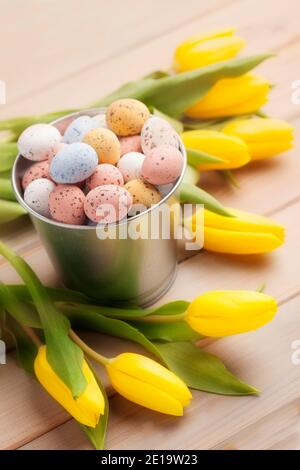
57	55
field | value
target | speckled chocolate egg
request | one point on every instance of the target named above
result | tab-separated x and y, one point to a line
74	163
126	116
105	143
105	174
130	144
39	142
66	204
156	131
99	121
77	129
143	193
36	171
162	165
37	195
130	165
59	147
107	204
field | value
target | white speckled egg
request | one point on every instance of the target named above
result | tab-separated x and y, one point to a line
39	142
162	165
105	174
99	121
108	203
77	129
74	163
156	131
164	189
37	195
130	165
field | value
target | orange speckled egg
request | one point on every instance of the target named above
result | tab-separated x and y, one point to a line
130	144
143	193
126	116
105	174
106	144
36	171
66	204
108	203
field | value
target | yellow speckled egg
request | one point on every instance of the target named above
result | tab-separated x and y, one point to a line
126	117
106	144
143	193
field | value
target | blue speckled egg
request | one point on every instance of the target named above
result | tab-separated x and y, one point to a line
74	163
77	129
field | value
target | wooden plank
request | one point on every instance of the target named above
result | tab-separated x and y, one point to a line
263	358
262	30
54	42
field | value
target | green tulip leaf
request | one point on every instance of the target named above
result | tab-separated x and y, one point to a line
6	189
23	312
156	74
89	318
229	176
191	175
197	157
97	435
174	94
26	348
177	125
8	153
175	331
193	195
175	307
63	354
201	370
10	211
55	294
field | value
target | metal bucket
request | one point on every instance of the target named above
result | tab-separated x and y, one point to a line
136	271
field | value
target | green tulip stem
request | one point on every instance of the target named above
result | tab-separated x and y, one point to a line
89	351
162	318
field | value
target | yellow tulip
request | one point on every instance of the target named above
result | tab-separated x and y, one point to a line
88	407
147	383
204	49
224	313
243	234
264	137
229	148
232	97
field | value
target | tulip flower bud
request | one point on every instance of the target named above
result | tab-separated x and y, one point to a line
231	149
225	313
232	97
88	407
147	383
264	137
242	234
206	49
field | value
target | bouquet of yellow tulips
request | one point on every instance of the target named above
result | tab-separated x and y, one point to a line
42	321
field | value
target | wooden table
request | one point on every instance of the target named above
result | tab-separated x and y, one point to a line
54	58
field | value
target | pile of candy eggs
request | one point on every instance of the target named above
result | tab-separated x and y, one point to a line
103	168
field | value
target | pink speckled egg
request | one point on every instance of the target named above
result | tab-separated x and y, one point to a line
105	173
39	142
107	204
66	204
162	165
130	144
34	172
58	148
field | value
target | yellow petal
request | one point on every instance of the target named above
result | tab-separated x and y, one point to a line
233	150
232	96
261	150
144	394
203	50
151	372
222	313
88	407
